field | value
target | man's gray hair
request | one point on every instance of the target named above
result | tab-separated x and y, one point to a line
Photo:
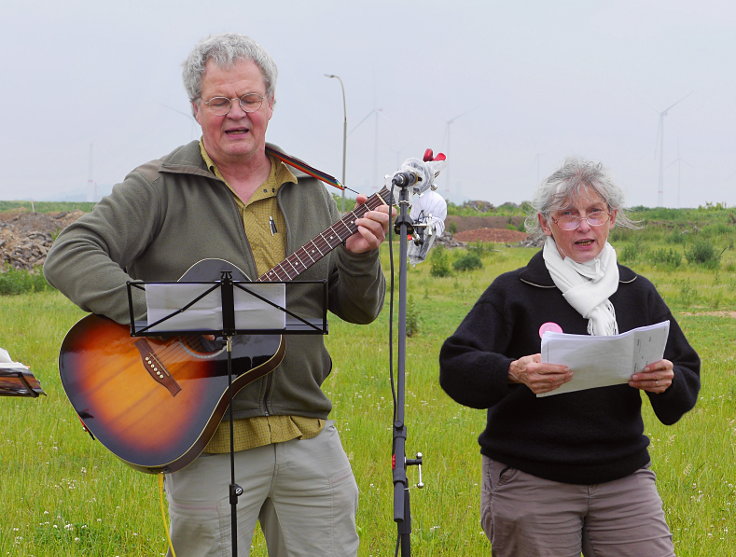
568	182
225	50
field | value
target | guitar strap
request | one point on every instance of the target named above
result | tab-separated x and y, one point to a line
307	169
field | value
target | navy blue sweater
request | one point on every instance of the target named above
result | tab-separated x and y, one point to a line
585	437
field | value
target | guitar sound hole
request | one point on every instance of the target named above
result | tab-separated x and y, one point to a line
202	347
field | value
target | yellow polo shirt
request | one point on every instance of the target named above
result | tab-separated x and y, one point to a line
266	231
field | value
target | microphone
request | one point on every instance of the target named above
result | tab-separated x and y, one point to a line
405	179
419	174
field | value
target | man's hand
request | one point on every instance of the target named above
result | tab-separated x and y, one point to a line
372	228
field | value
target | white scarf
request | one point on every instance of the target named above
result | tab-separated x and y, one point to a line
587	286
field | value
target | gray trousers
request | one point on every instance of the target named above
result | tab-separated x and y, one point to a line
302	491
527	516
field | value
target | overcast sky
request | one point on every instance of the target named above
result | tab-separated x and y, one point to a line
92	88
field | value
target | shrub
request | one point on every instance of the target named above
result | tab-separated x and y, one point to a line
667	256
702	252
468	262
413	319
629	252
716	230
480	248
675	237
19	281
621	234
439	264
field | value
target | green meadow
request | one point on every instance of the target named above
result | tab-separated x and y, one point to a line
64	494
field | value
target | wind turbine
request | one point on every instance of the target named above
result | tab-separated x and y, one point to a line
678	161
376	113
188	115
662	114
447	148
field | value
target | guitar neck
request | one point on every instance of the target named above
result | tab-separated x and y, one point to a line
314	250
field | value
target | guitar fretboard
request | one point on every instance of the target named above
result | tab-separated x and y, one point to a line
314	250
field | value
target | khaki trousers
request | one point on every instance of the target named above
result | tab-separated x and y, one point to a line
302	491
527	516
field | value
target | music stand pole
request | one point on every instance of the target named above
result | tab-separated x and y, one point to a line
402	508
228	319
235	490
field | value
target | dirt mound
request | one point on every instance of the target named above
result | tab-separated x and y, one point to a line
462	223
25	237
495	235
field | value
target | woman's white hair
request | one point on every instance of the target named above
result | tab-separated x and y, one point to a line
568	182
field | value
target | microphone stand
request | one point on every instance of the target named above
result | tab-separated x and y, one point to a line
402	507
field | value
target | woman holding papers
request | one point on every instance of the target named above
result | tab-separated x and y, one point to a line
568	473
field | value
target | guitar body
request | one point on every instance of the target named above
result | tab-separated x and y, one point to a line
155	402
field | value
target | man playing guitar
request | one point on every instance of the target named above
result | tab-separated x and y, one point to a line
230	196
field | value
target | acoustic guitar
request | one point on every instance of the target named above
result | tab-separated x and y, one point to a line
156	402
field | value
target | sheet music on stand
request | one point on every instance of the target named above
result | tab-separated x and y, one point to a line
259	306
16	379
203	307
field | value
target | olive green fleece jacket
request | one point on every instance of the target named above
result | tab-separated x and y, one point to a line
170	213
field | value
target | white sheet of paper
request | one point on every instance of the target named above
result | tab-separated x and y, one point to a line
206	314
6	362
600	361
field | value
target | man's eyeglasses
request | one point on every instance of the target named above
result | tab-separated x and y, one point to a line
220	106
571	222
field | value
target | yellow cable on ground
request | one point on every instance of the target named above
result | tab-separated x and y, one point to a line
163	512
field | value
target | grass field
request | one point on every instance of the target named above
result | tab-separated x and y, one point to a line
64	494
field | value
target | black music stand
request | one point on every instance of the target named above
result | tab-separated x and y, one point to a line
230	323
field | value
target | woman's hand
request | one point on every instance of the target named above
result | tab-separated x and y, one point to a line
654	378
538	376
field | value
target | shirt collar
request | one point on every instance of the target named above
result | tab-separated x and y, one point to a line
280	173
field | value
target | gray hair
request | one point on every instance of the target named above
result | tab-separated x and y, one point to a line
225	50
555	193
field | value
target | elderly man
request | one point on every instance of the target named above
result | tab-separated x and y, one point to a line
232	196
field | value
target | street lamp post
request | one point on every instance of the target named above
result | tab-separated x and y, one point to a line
344	134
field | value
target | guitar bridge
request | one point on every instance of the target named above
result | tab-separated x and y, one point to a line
155	367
